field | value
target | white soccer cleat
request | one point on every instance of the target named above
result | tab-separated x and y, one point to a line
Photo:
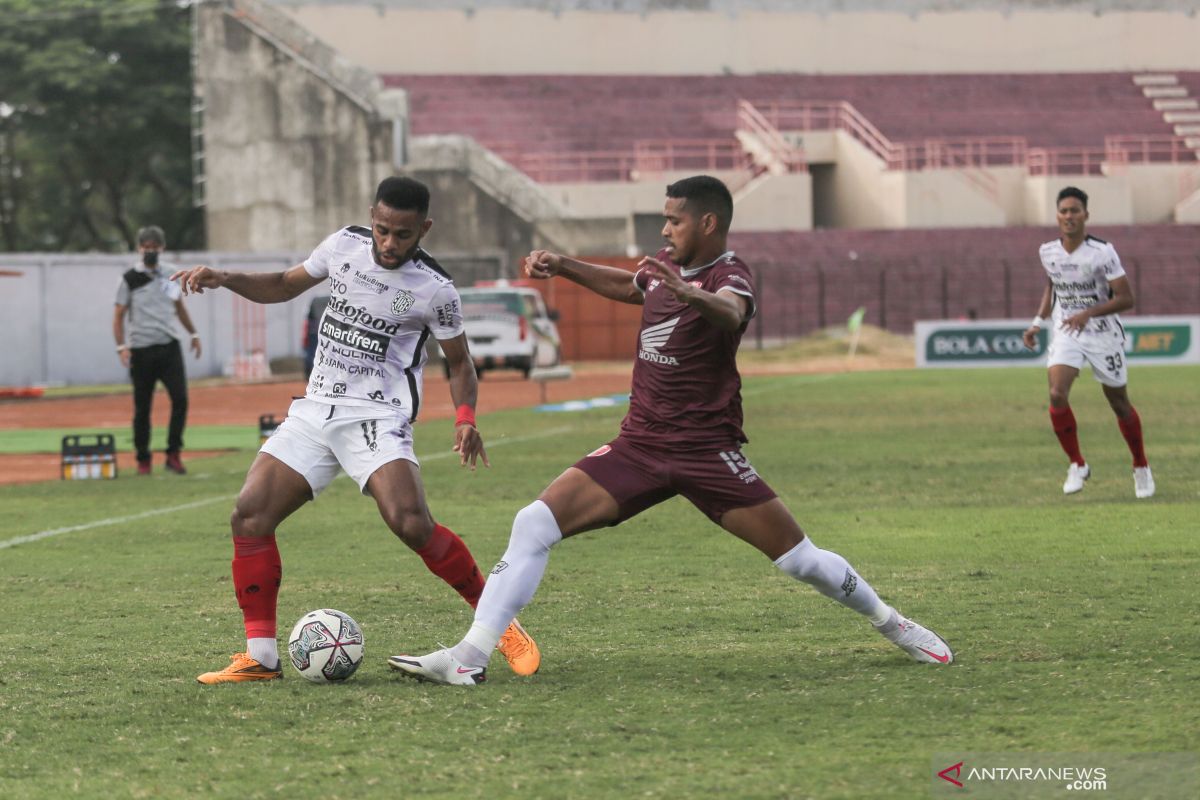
1076	475
439	667
1143	482
919	642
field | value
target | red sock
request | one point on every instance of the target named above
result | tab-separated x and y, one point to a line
257	571
1063	421
448	557
1131	429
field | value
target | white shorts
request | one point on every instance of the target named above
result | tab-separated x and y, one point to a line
318	440
1104	351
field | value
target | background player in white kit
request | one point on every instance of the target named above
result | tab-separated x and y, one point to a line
1086	287
389	295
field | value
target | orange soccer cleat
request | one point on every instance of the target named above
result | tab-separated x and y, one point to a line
519	649
243	668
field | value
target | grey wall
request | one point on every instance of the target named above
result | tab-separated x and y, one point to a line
295	139
57	317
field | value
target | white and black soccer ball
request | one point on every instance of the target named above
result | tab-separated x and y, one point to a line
326	646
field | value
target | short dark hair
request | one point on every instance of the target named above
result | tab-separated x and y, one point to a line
151	234
1072	191
704	194
403	194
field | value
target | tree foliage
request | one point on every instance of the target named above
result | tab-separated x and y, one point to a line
95	124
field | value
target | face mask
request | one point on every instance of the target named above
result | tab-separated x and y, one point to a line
150	258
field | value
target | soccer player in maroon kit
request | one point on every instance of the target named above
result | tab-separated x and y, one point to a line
682	435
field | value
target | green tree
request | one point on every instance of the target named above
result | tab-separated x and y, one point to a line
95	124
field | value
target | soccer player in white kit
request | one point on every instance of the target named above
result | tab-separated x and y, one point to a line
1086	288
387	297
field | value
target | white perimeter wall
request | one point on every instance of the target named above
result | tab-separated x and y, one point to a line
541	41
56	317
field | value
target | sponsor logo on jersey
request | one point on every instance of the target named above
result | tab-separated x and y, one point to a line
396	401
339	389
363	369
361	316
402	302
357	355
373	344
739	279
375	395
446	314
653	338
344	268
367	282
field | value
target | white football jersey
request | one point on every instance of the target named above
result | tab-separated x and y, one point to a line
372	336
1081	280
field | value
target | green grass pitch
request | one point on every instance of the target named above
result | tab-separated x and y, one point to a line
677	661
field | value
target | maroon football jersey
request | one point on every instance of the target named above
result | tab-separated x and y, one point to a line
686	387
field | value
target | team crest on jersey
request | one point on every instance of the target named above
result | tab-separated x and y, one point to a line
402	302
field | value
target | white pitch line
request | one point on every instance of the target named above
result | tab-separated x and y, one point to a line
101	523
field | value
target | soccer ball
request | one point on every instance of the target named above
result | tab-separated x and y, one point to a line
326	646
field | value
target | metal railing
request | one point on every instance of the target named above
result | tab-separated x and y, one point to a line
648	157
973	152
782	155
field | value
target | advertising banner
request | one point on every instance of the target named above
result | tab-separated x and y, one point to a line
997	342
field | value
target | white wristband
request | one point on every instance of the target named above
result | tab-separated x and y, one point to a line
121	347
1038	322
195	336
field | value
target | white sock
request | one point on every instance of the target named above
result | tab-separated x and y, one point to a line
832	576
264	651
513	580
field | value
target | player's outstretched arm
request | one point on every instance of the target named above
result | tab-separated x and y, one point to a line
464	390
260	287
611	282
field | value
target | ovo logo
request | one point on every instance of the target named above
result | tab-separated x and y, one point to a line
956	771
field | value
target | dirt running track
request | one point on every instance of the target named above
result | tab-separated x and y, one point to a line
240	404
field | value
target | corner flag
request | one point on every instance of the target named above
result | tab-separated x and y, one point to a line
854	328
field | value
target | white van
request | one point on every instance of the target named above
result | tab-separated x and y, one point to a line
509	327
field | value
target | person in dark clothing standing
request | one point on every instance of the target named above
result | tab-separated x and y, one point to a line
151	351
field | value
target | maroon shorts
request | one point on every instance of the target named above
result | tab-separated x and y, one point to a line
639	477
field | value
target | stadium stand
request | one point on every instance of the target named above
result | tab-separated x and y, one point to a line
523	118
